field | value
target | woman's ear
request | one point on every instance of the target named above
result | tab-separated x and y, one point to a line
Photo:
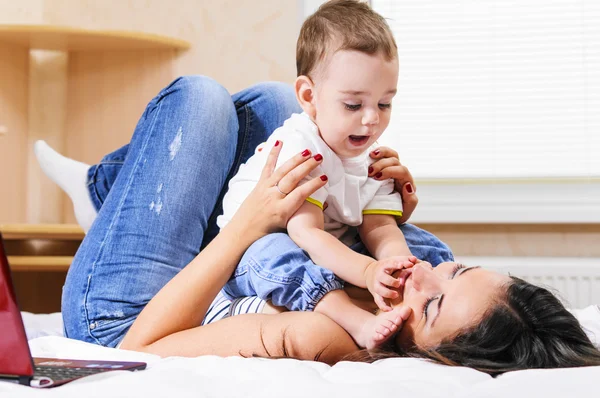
305	93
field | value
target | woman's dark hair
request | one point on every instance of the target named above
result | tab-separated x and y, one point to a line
528	327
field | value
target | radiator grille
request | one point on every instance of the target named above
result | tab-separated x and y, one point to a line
575	280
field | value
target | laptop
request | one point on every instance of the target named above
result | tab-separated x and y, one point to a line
16	362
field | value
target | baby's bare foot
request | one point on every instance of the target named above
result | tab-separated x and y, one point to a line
379	328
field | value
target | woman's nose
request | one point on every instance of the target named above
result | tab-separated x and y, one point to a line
424	279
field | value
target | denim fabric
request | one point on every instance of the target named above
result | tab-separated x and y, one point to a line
159	198
102	176
275	268
422	244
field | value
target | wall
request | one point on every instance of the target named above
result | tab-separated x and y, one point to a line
520	240
237	42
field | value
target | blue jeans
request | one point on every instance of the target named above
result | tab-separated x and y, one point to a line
275	268
158	198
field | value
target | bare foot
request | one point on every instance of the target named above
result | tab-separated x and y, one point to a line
378	328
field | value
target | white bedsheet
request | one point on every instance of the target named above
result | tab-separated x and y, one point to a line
211	376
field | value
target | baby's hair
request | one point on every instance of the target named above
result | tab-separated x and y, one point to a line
342	25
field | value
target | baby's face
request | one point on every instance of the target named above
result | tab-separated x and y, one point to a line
353	100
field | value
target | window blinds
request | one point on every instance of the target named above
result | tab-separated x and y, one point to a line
496	88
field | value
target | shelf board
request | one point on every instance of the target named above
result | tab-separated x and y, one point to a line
39	263
65	38
41	231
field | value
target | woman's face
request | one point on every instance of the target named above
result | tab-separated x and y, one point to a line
445	300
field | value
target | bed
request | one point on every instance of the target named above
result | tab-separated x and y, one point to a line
211	376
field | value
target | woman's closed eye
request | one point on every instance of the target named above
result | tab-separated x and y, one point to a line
455	270
426	305
457	267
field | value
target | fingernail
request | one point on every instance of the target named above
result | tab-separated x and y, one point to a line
306	152
277	143
323	177
409	187
378	175
376	152
318	157
370	169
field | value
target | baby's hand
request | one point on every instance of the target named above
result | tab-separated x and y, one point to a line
382	284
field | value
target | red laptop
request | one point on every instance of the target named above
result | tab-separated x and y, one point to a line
16	363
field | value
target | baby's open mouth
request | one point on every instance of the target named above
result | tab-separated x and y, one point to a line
359	140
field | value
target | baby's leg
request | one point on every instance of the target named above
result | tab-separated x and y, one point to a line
275	268
367	330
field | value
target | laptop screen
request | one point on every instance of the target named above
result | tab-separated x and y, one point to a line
15	357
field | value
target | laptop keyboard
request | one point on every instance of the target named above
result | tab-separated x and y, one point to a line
57	373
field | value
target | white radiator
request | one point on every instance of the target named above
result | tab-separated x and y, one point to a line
575	280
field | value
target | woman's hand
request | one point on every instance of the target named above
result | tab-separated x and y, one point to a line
387	165
277	195
170	320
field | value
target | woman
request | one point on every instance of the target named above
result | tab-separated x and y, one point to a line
128	285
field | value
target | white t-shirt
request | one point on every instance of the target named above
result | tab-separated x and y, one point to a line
349	191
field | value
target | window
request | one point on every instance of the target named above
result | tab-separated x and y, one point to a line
498	108
496	88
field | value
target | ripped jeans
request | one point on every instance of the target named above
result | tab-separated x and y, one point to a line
158	198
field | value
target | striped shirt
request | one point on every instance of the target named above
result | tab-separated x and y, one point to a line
222	307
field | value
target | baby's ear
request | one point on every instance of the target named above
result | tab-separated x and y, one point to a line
305	93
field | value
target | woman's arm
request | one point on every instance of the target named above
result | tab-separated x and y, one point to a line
387	165
168	325
300	335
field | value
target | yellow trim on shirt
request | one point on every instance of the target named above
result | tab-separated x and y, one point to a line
396	213
315	202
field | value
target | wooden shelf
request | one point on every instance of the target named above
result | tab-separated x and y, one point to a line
65	38
41	231
39	263
26	260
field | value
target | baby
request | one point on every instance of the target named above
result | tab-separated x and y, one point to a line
347	66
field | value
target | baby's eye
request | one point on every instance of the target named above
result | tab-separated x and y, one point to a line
352	107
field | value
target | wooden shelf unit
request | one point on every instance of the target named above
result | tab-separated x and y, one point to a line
67	38
32	247
40	263
83	94
39	256
42	231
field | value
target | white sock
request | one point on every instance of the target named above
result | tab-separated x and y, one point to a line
71	176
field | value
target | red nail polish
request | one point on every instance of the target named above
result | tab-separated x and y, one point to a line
378	175
370	169
306	152
376	152
318	157
409	187
277	143
323	177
